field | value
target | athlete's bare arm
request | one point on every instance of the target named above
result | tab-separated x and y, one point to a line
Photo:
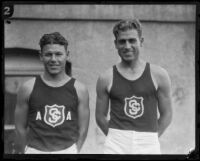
164	98
21	113
102	100
83	113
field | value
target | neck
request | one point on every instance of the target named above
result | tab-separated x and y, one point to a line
132	64
55	78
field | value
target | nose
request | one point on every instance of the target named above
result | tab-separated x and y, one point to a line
127	45
53	57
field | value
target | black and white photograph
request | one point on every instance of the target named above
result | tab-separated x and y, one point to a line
99	79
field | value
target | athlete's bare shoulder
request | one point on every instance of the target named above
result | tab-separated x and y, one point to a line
107	74
26	88
105	79
29	83
159	74
80	88
158	71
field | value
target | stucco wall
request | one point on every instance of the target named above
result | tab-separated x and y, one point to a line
169	42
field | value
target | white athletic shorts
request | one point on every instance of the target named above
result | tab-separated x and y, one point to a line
71	150
131	142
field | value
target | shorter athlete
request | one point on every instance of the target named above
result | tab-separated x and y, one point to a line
52	112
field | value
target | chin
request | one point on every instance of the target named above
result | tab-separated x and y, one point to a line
53	72
130	59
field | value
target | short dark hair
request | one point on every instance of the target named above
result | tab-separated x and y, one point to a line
53	38
124	25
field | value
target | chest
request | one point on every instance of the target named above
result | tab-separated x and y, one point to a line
40	98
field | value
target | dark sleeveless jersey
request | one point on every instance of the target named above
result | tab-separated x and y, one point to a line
133	102
52	116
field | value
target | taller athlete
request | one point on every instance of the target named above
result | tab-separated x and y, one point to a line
134	90
52	111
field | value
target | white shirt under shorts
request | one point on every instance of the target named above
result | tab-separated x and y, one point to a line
131	142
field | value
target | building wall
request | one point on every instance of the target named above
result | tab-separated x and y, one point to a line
169	41
108	12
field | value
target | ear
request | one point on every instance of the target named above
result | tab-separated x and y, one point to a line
115	42
141	41
40	54
67	53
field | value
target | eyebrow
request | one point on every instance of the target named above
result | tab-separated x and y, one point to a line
128	39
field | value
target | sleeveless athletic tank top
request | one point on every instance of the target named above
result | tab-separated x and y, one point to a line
52	116
133	102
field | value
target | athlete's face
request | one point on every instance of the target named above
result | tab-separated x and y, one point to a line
54	57
128	45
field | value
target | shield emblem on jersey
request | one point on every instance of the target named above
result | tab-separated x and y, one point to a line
134	107
54	115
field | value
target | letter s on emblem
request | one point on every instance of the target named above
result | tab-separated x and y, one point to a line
55	115
134	107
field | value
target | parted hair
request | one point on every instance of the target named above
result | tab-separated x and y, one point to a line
124	25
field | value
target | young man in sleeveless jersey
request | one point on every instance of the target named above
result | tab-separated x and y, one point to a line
52	111
134	90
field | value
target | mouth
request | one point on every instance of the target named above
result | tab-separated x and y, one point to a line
53	66
128	53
